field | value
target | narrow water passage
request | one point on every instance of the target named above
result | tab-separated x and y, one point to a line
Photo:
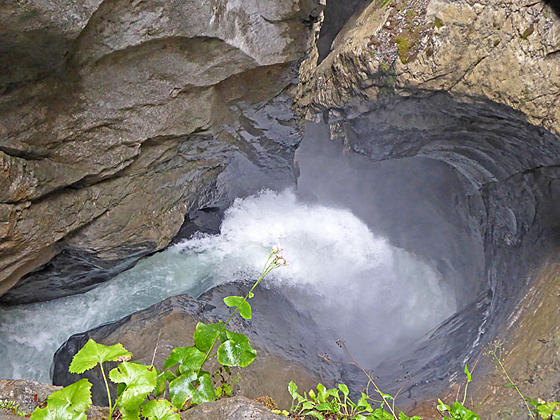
374	294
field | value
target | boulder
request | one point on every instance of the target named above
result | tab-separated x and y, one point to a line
30	394
286	341
236	408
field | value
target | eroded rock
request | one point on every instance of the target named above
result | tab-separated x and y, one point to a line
237	408
287	344
117	120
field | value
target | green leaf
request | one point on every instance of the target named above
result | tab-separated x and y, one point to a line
315	414
69	403
363	403
57	411
344	389
140	380
159	410
161	382
321	393
386	396
236	351
190	386
292	389
228	391
76	396
189	358
403	416
204	335
93	353
442	406
468	373
239	302
308	405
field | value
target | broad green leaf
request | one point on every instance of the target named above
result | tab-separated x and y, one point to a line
321	393
308	405
545	409
76	396
190	386
204	335
292	389
403	416
69	403
239	302
387	397
468	373
381	414
189	358
93	353
140	380
315	414
159	410
161	383
236	351
344	389
442	406
363	403
57	411
324	407
459	411
228	391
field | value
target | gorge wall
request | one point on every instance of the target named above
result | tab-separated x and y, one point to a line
119	119
206	101
473	84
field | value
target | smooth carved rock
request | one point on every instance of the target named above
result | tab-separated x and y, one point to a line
236	408
287	345
123	118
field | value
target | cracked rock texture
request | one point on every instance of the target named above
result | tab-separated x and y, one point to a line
119	118
507	51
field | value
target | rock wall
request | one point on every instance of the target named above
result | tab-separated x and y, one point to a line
117	119
474	84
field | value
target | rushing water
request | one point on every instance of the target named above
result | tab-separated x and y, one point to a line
387	294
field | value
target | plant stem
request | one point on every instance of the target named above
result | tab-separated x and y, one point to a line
268	267
503	368
108	392
370	379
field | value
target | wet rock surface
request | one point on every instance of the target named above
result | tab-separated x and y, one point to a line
117	122
473	85
30	395
237	408
286	346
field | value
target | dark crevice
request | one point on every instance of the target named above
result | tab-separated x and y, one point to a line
336	15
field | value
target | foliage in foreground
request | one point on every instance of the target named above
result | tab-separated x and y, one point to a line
142	389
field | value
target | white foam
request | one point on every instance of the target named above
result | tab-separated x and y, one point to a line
361	278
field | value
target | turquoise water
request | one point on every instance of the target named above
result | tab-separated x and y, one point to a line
359	275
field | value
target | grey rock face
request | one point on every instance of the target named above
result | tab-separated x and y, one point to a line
287	342
30	394
473	84
119	119
237	408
